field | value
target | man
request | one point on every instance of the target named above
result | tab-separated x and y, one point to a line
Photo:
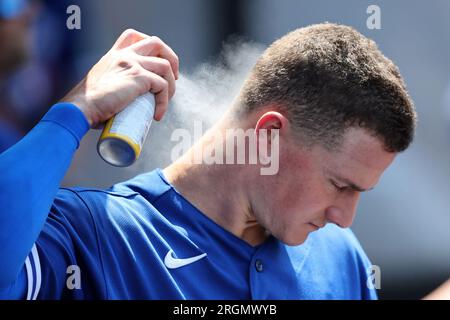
340	112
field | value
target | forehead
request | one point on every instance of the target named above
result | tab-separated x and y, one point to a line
361	157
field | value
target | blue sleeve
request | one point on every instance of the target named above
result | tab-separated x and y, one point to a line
70	265
30	174
65	261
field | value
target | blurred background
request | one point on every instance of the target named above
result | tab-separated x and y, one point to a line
404	224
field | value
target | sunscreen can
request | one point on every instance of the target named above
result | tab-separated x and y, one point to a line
121	141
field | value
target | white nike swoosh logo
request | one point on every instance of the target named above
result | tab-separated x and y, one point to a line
173	263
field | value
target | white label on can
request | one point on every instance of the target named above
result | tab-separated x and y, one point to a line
134	121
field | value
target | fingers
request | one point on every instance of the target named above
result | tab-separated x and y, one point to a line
161	67
160	87
129	37
153	46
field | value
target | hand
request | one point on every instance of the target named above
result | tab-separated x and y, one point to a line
136	64
441	293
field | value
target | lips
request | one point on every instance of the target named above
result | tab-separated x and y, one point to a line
315	226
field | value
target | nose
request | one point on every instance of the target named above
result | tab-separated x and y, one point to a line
343	212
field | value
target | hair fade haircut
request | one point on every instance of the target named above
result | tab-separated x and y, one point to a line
328	78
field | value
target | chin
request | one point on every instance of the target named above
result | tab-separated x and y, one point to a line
295	239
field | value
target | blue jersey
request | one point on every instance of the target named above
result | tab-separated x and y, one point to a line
135	240
141	239
8	135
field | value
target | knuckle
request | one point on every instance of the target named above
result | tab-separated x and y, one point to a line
157	39
163	94
156	42
137	72
165	64
166	85
129	32
141	74
145	81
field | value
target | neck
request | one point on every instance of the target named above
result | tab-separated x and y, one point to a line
220	191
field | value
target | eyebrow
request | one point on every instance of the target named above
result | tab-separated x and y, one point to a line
352	185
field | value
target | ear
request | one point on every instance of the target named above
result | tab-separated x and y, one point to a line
267	122
272	120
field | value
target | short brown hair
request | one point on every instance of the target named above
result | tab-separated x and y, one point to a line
328	78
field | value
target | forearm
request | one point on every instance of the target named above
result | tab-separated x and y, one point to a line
30	174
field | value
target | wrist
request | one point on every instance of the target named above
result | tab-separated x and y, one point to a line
79	100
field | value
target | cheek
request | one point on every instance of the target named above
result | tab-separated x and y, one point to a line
297	195
290	206
301	176
303	196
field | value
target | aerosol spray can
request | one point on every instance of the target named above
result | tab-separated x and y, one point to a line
121	141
